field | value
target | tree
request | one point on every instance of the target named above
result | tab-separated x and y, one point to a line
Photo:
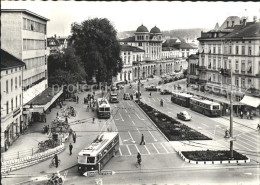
65	68
95	42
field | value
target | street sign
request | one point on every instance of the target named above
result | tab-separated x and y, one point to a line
91	173
107	172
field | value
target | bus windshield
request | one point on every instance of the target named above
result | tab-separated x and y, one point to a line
107	109
101	109
91	160
215	107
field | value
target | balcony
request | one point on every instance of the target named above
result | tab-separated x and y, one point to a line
236	70
202	68
243	71
201	81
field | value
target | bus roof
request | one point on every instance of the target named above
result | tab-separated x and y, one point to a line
182	94
98	144
205	101
102	102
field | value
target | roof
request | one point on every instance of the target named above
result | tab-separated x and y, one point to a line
170	43
10	61
185	45
142	29
251	101
251	29
129	39
25	11
57	43
126	47
155	30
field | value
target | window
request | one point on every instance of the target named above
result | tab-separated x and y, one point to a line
243	66
7	107
140	44
243	83
249	50
237	81
230	49
20	99
229	64
214	49
15	82
24	23
214	63
237	50
11	85
219	50
202	61
249	82
16	102
243	50
28	23
214	77
249	67
12	105
6	87
237	65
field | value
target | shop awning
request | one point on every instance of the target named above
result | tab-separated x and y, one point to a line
44	100
251	101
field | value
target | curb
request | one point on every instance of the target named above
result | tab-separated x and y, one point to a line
239	123
213	162
151	121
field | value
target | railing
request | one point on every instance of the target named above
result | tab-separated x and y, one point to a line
19	154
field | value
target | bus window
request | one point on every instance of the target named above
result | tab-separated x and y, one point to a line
101	109
107	109
215	107
91	160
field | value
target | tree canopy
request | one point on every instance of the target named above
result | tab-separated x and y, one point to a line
95	42
65	68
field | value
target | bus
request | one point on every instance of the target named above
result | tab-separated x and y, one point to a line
182	99
205	107
113	97
98	153
103	108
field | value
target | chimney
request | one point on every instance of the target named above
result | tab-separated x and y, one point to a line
244	21
255	19
55	36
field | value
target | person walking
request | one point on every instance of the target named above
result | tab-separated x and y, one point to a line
258	127
142	140
70	148
56	160
247	115
77	99
150	94
74	137
139	159
57	113
241	115
93	119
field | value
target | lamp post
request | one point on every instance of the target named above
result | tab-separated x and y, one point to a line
138	87
231	115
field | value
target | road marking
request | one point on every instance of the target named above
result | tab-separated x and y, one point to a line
120	152
115	105
245	139
120	141
138	116
129	115
133	141
147	149
137	149
155	148
165	148
246	144
121	117
168	108
153	99
128	150
158	99
204	124
168	99
129	103
152	135
257	140
125	110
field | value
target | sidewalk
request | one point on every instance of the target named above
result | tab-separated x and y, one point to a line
245	122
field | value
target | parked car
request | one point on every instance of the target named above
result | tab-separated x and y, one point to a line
184	115
127	96
151	88
165	91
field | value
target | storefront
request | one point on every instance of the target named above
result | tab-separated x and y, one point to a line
252	105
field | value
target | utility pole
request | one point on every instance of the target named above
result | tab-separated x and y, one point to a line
138	87
231	115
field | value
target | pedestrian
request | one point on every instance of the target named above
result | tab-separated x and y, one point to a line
74	137
66	119
150	94
247	115
77	99
45	118
93	119
258	127
57	114
241	115
70	148
88	108
56	160
142	140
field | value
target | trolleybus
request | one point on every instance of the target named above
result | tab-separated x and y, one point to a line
205	107
182	99
100	151
103	108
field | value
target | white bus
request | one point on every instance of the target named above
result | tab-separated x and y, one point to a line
182	99
100	151
103	108
205	107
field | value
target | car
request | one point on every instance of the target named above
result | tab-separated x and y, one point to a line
151	88
127	96
165	92
184	115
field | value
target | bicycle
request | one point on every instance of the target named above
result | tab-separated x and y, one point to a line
53	163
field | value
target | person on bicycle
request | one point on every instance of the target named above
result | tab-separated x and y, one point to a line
139	158
162	102
56	160
227	133
258	127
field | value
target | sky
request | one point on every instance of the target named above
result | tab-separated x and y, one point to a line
127	16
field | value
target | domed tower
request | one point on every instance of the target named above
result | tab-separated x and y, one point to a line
142	37
156	43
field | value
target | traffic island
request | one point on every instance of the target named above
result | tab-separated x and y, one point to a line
171	128
213	157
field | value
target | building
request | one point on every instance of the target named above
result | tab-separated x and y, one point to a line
233	46
23	35
56	44
193	73
11	99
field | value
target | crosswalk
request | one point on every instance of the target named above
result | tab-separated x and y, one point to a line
147	149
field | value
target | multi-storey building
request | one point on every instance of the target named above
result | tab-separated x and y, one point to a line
235	46
193	73
11	98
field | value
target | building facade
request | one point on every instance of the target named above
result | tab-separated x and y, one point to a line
233	46
11	99
193	73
